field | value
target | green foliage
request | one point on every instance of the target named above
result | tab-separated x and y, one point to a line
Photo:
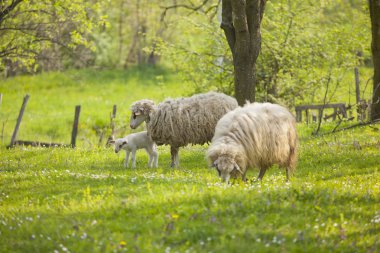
304	44
201	55
34	29
130	38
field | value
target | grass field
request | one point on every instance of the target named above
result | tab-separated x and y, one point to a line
49	114
83	200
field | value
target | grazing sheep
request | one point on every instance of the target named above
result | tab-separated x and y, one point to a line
256	135
178	122
136	141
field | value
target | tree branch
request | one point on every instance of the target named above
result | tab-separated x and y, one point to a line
255	12
227	24
242	49
8	9
185	6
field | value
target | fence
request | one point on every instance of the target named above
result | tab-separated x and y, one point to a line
14	140
74	133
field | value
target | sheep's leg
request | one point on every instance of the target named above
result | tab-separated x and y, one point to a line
243	177
174	155
261	174
133	158
287	174
126	159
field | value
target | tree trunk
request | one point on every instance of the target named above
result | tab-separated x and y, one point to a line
241	20
374	9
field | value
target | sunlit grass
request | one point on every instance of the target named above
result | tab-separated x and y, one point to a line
84	200
49	114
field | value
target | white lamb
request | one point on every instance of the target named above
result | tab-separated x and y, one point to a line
182	121
135	141
254	136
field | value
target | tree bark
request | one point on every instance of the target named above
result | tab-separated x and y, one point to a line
241	20
374	8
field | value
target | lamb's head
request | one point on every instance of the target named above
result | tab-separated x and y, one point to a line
141	112
227	167
119	144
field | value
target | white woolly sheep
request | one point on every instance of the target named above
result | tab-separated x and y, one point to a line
257	135
182	121
135	141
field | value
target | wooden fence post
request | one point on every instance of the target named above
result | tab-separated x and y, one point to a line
298	114
335	112
369	108
112	126
15	132
357	91
357	85
75	127
113	120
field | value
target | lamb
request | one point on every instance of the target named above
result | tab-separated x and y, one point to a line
182	121
135	141
257	135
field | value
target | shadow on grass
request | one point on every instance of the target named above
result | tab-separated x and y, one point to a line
221	220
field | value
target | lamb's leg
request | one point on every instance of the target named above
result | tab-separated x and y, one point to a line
126	159
261	174
174	155
133	158
149	151
150	161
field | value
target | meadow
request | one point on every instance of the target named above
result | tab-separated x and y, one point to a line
84	200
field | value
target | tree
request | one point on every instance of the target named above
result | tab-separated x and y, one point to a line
131	37
30	27
374	9
304	44
241	20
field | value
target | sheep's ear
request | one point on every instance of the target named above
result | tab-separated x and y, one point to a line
112	141
137	113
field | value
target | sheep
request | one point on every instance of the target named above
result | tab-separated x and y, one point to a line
257	135
135	141
182	121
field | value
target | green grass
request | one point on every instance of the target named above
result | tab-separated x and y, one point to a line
84	200
49	114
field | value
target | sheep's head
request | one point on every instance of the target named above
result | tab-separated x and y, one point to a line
140	112
119	144
227	168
